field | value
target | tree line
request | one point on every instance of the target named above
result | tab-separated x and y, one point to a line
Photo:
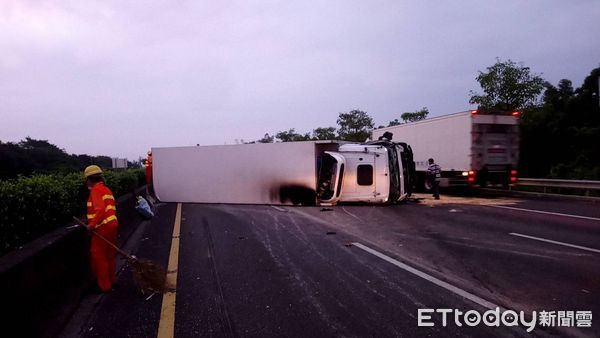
31	156
355	125
560	125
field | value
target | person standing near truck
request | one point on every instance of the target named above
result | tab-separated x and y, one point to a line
434	173
149	185
102	219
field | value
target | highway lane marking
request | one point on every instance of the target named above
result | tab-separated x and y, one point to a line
555	242
278	208
166	326
351	214
460	292
545	212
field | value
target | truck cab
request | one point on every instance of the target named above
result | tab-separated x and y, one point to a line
376	172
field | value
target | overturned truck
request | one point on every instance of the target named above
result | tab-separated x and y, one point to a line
299	173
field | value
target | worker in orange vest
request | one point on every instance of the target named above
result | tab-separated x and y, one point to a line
149	187
102	218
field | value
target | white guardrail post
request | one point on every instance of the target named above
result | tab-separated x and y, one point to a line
545	183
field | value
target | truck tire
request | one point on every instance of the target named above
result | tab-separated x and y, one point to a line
421	183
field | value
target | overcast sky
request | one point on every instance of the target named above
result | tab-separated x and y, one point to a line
119	77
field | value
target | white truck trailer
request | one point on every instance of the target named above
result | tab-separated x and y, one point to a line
299	173
472	147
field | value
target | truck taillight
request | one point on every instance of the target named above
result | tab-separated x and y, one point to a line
513	179
513	172
474	112
516	114
471	176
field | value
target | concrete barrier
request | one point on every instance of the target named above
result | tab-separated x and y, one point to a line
43	282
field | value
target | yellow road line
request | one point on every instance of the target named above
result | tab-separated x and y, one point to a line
166	327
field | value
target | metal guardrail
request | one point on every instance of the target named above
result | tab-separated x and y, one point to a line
552	183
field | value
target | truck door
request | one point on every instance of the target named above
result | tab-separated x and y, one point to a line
360	178
408	167
496	151
331	175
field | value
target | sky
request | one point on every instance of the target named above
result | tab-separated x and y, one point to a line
119	77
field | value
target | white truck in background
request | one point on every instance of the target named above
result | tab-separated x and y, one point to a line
472	147
299	173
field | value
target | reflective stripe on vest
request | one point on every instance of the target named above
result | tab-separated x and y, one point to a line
109	219
110	209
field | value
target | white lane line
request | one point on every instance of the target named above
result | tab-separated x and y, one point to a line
441	283
278	208
351	214
545	212
555	242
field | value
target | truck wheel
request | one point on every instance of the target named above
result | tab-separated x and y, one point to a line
421	183
427	185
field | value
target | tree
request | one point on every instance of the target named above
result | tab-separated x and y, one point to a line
415	116
32	156
324	133
292	136
355	125
507	86
558	138
392	123
266	139
558	96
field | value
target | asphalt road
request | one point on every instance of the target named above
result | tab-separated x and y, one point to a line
363	270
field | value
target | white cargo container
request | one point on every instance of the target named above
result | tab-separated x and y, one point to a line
471	147
324	172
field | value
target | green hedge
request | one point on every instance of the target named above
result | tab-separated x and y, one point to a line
33	206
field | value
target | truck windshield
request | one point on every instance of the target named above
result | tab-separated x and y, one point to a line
394	174
327	171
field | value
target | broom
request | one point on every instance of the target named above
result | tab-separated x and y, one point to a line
149	276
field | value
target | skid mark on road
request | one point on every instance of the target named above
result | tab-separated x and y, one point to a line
224	316
346	277
284	236
307	285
